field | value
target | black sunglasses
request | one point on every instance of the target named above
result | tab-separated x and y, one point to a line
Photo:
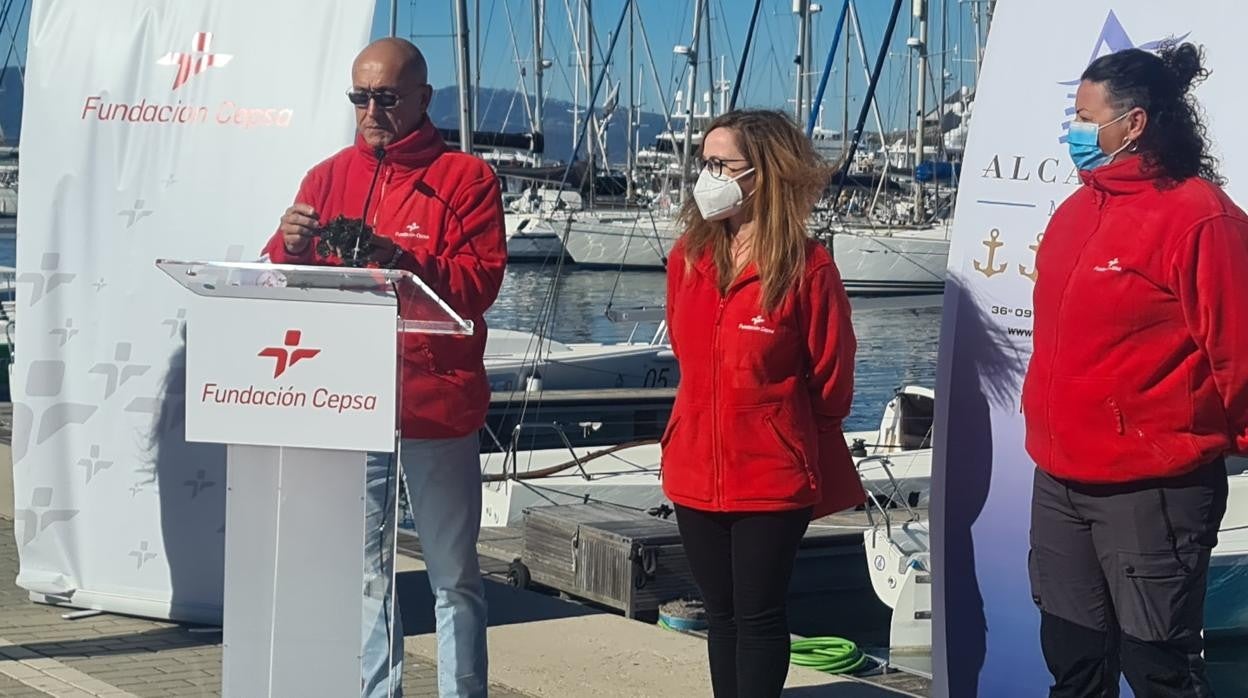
383	98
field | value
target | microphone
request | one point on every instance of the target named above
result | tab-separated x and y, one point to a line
380	153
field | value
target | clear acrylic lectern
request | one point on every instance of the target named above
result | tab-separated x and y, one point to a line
295	369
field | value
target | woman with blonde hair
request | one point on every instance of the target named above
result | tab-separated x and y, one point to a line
760	324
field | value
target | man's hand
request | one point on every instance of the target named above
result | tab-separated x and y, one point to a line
298	226
384	250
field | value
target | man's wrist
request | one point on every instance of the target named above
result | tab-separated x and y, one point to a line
299	251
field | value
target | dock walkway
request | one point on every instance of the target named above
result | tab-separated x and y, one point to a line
42	654
539	645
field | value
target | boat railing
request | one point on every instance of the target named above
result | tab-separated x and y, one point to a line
873	501
513	451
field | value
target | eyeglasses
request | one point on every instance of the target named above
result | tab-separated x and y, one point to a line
716	165
384	99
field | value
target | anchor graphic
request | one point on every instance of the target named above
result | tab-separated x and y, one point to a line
1035	249
990	270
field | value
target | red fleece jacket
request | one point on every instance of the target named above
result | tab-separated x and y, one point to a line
1140	364
762	396
445	210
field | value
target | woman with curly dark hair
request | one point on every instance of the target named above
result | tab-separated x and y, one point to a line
1138	384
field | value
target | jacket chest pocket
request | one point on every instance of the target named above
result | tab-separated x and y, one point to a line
762	354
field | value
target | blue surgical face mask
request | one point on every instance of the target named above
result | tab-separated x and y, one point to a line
1085	145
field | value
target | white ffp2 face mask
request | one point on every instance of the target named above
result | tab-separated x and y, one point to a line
718	198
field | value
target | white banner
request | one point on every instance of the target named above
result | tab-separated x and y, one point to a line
151	129
1016	172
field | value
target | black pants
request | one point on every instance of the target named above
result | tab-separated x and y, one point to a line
1119	574
742	563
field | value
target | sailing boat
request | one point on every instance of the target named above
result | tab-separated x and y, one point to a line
873	259
897	457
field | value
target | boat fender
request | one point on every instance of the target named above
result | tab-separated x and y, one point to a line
533	383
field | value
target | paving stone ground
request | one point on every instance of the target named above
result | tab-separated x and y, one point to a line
106	655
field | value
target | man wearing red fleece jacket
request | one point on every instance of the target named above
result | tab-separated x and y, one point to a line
438	214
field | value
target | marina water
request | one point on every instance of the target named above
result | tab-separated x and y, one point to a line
896	346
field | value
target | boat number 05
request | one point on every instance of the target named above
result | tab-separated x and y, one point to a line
656	378
1011	312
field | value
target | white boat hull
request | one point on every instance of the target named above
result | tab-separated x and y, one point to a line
620	241
884	262
628	477
531	239
1226	606
509	362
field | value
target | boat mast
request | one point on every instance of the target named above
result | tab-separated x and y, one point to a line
539	67
849	37
802	9
875	105
394	18
465	95
692	53
808	54
632	109
977	20
869	99
919	44
745	55
476	56
574	28
591	123
722	85
710	64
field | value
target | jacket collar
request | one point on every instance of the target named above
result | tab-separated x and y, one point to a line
417	149
706	265
1130	176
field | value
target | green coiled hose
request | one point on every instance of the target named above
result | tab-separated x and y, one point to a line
831	655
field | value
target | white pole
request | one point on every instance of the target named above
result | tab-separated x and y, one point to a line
465	90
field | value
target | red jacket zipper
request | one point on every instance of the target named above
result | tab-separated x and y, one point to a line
715	406
381	197
1101	200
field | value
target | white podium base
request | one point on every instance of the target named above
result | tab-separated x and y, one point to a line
294	558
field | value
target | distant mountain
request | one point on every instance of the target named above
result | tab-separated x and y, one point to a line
499	110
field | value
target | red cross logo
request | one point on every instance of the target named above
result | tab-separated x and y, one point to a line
197	61
288	355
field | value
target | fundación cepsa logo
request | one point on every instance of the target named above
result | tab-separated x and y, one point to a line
756	325
289	354
307	392
197	61
171	111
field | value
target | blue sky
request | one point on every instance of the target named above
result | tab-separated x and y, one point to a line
770	74
769	77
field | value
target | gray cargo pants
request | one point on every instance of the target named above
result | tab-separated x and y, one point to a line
1119	574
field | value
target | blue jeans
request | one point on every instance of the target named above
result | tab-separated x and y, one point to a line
443	478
